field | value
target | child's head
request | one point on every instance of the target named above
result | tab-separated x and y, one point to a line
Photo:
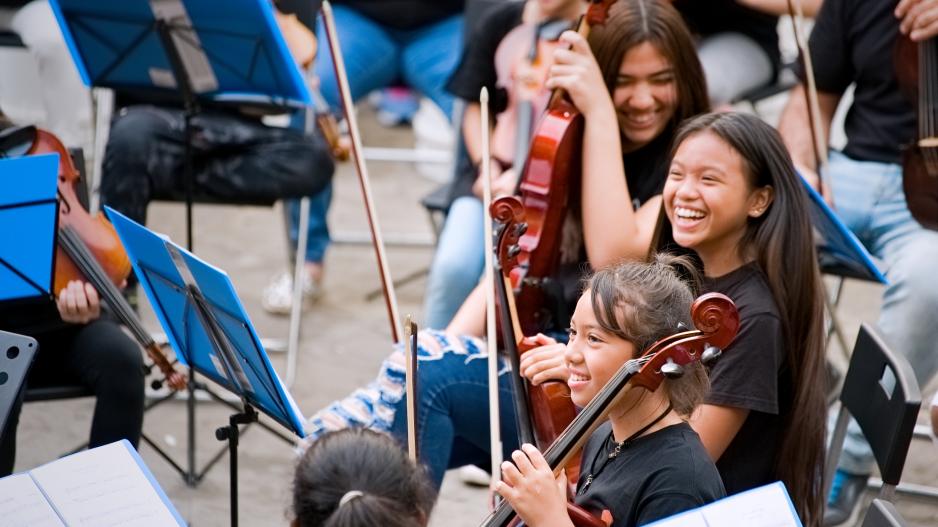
357	477
650	66
623	310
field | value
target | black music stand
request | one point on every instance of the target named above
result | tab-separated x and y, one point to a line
200	311
190	52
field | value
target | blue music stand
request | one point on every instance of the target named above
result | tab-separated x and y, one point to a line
28	225
208	328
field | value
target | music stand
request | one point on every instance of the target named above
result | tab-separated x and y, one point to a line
208	328
191	52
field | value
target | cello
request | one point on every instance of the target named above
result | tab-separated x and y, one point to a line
717	323
89	249
917	74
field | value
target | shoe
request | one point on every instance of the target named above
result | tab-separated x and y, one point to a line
278	295
474	476
846	491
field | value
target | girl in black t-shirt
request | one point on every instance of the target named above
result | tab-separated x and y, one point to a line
645	463
733	197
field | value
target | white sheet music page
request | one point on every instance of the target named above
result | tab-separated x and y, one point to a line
103	487
22	503
766	506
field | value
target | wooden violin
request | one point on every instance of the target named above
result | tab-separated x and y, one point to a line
89	250
717	322
917	74
548	182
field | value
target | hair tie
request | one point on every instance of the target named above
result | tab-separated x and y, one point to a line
349	496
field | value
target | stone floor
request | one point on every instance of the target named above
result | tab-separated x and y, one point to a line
343	339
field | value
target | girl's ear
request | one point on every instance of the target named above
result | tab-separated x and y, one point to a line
760	200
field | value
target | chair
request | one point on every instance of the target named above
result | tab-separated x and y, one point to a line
881	393
883	514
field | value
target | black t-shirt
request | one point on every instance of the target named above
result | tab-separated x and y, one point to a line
477	69
31	316
720	16
853	41
403	14
752	374
656	476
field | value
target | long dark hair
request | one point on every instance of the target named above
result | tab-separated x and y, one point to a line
781	243
643	302
633	22
386	488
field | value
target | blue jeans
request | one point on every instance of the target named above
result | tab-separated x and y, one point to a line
870	200
375	57
457	264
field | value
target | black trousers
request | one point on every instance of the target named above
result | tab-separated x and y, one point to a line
98	355
236	159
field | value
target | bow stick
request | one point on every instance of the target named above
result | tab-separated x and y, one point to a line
410	336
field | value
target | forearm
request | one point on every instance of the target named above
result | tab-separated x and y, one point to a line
795	125
809	8
606	201
471	131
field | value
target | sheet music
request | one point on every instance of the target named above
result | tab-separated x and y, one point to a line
22	503
103	487
766	506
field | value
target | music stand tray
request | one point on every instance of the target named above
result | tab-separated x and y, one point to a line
28	225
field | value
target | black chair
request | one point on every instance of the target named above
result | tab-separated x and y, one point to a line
881	393
883	514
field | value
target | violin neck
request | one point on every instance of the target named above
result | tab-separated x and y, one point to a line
508	320
79	253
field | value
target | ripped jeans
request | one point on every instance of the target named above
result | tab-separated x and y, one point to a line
453	408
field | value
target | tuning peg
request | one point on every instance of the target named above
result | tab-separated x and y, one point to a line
681	326
672	370
514	250
710	355
521	228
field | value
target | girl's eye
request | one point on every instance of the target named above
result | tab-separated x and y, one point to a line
675	174
593	339
571	333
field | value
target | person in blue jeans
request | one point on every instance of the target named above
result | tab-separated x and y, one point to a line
866	186
417	42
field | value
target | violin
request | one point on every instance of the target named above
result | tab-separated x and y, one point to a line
917	74
717	323
549	180
545	410
89	250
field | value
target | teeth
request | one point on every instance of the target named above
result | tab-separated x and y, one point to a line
688	213
578	378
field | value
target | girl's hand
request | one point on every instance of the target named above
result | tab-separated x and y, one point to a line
544	363
78	303
575	71
532	490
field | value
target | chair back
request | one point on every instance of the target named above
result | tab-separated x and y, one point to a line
16	355
883	514
881	393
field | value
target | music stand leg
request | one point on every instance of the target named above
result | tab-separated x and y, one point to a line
230	433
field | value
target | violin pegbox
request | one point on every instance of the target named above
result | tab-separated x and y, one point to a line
598	11
717	323
508	218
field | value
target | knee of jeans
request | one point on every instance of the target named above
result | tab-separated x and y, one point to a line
314	165
911	277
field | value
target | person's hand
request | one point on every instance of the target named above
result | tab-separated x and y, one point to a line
575	71
78	303
918	19
504	184
545	362
495	171
532	490
811	176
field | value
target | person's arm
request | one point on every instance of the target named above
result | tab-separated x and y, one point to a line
717	426
918	19
605	197
795	129
809	8
534	493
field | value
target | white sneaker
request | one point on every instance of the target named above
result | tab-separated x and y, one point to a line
278	295
474	476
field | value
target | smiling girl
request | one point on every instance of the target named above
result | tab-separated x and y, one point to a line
733	197
645	462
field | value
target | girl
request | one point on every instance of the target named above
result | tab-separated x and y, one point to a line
358	477
645	462
733	197
638	75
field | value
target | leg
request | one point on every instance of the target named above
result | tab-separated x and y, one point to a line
457	264
733	64
430	56
369	53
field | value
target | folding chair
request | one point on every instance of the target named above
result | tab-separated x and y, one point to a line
883	514
881	393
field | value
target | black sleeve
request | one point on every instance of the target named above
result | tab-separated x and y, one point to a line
830	49
477	65
746	375
665	504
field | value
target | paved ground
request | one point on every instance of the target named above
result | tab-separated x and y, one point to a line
344	337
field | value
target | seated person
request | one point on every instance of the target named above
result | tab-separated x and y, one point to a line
78	344
357	477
